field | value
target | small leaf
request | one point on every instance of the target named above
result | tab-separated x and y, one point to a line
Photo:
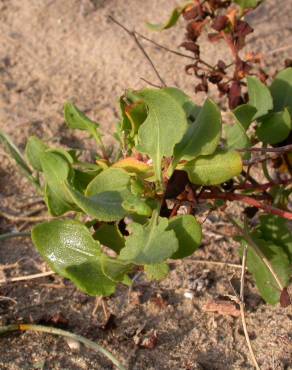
202	136
138	206
34	150
244	115
75	119
151	243
264	279
157	271
115	269
174	17
18	157
110	236
259	97
70	250
165	125
57	171
245	4
189	235
214	169
137	114
281	90
274	128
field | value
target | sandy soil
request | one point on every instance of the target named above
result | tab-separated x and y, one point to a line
52	51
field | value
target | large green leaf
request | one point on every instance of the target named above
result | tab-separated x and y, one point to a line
276	229
151	243
189	234
191	109
104	195
245	4
259	97
34	150
214	169
110	236
281	90
76	119
274	128
174	17
70	250
265	281
165	125
202	136
14	152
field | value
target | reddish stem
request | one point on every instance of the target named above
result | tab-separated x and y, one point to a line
263	187
248	200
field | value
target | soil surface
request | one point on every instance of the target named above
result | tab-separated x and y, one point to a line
52	51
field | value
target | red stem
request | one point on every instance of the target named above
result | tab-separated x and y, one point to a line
248	200
263	187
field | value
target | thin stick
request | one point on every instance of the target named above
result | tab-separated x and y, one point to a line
207	262
133	35
27	277
6	236
282	48
64	333
242	311
281	149
164	47
15	218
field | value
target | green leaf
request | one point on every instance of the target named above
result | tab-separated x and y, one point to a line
14	152
165	125
75	119
151	243
274	128
236	137
202	136
244	114
264	279
259	97
137	114
157	271
214	169
281	90
191	109
245	4
57	171
188	233
115	269
104	195
274	228
174	17
70	250
110	236
34	150
138	206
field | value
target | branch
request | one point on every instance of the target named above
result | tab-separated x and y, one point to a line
281	149
263	187
248	200
134	37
